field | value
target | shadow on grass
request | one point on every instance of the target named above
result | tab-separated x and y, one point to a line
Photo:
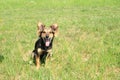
1	58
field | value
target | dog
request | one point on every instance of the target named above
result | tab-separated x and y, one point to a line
43	46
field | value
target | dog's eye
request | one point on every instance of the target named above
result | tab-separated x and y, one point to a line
43	32
51	32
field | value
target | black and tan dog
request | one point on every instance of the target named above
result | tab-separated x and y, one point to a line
43	45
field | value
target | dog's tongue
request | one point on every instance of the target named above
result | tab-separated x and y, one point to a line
47	43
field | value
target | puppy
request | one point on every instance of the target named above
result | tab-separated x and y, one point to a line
43	45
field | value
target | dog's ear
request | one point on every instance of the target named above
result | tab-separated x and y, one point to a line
40	27
54	28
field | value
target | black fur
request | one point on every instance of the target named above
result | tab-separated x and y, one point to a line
40	44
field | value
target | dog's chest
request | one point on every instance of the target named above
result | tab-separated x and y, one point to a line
40	51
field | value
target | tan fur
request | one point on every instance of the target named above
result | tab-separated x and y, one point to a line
43	32
39	51
37	61
54	27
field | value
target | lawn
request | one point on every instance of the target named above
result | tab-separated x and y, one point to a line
87	47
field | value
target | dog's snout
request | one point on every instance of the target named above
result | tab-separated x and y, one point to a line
47	36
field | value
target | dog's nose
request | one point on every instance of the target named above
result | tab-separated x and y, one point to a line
47	36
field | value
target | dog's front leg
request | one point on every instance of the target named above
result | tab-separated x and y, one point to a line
37	61
38	58
48	58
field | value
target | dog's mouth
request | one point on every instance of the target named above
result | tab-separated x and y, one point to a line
47	41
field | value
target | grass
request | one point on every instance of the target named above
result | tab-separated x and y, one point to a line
87	48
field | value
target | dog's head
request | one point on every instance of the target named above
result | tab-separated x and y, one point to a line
47	34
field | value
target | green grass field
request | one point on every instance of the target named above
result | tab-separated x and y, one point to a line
87	47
